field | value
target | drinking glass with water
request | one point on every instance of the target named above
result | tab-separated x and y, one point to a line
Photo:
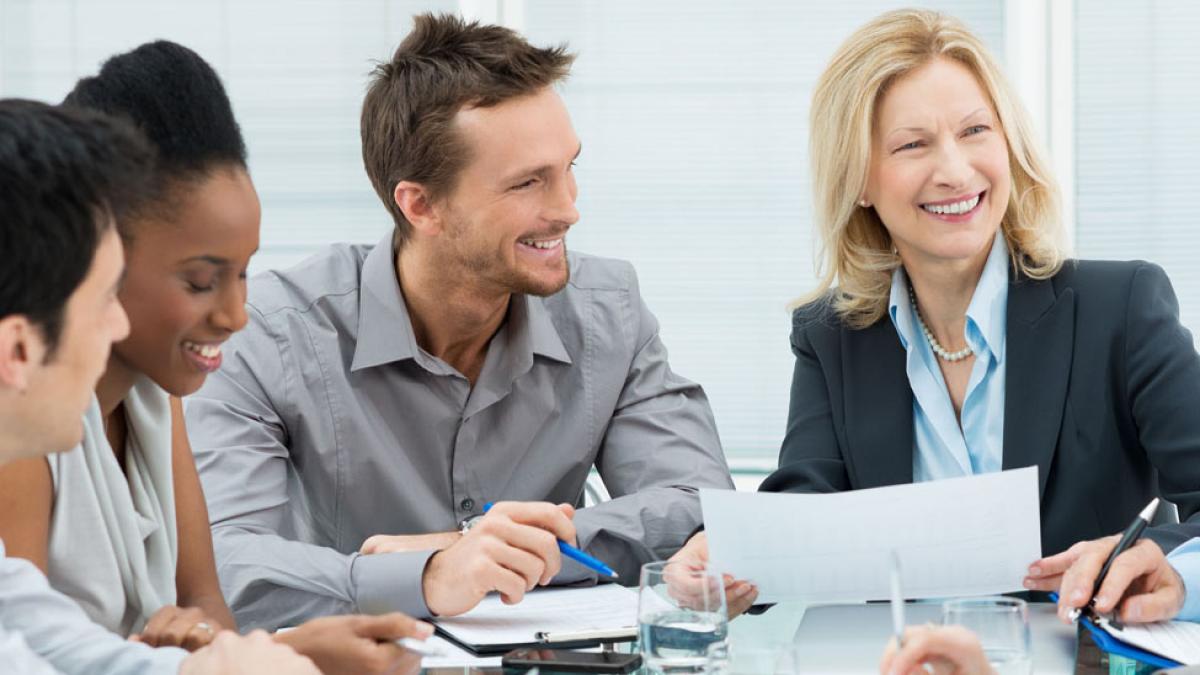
1002	625
682	622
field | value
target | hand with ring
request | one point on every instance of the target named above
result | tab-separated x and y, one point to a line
186	627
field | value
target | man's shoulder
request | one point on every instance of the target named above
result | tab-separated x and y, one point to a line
334	271
592	272
602	296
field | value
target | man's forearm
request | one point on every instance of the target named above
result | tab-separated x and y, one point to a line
271	582
635	529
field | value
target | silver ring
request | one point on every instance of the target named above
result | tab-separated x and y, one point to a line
203	625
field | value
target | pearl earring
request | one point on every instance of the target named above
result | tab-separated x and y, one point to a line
863	203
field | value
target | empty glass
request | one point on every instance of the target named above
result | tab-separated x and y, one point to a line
682	622
1002	625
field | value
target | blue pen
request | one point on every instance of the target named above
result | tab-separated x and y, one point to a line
575	554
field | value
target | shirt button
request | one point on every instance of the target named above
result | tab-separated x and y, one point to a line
467	504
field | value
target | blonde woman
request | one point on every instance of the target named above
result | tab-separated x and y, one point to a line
949	335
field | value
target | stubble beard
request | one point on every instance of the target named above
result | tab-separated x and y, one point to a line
489	267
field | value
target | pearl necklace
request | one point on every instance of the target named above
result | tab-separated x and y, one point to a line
936	346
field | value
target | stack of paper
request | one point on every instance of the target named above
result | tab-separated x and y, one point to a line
1176	640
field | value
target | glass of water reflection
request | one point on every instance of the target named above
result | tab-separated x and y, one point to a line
682	622
1002	625
770	658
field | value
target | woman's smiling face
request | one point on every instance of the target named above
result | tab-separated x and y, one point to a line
185	285
939	176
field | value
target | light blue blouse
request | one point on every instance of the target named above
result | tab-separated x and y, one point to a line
1186	561
941	449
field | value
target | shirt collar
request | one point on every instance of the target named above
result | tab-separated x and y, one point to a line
989	304
900	307
385	332
543	336
987	310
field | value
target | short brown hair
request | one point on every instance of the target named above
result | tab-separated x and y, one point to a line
444	64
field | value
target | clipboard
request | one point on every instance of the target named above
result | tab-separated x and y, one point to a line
499	648
1111	644
562	618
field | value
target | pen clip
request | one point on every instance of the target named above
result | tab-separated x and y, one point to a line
1097	619
1089	612
619	634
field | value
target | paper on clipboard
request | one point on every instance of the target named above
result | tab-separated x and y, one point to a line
1176	640
493	627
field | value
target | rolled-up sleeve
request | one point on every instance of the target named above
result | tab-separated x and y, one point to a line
660	447
239	435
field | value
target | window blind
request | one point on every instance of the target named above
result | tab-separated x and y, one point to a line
693	117
694	123
1137	103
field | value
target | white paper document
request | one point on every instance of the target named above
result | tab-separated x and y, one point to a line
553	610
1176	640
955	537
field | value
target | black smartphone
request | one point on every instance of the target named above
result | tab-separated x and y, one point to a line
566	661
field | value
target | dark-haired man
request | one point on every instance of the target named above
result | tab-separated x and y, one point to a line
466	359
64	178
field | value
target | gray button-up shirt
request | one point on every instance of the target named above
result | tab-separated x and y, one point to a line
327	424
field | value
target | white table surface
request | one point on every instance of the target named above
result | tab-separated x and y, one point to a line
851	638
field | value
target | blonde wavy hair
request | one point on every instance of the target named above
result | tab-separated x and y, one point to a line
856	253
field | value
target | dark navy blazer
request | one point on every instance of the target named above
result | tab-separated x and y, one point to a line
1102	394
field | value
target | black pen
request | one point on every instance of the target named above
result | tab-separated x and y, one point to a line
1128	538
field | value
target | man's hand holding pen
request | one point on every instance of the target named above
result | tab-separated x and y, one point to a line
1141	586
512	549
1119	574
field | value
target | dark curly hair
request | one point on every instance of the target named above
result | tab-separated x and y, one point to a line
174	97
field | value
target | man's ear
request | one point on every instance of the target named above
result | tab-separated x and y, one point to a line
414	202
22	349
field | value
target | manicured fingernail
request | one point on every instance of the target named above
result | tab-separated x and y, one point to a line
1034	570
1077	595
1102	601
424	630
1028	583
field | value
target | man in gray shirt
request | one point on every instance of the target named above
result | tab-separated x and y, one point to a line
381	396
